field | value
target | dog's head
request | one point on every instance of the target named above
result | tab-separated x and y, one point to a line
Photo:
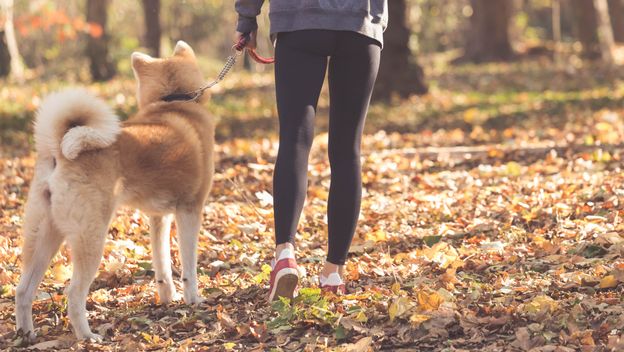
161	77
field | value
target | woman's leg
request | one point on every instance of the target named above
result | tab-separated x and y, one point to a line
300	65
352	73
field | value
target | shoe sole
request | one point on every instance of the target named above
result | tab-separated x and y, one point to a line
285	284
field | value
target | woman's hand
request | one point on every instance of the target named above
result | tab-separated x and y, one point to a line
251	43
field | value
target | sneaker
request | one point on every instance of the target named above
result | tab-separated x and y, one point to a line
332	283
284	276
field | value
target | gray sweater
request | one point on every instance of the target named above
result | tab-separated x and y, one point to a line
369	17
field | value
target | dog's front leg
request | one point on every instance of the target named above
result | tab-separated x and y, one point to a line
189	223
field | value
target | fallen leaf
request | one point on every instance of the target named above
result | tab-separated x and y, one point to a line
608	281
398	307
429	300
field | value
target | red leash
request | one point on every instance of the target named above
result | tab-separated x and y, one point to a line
242	43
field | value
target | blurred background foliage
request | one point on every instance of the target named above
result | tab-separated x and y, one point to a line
52	34
446	63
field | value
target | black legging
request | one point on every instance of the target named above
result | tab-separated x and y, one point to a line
301	62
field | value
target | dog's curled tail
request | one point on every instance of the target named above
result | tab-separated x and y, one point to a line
72	121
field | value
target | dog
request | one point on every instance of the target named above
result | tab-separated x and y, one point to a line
88	164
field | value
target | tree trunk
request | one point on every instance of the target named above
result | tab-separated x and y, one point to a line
489	36
605	31
396	74
617	19
556	29
151	12
587	27
101	67
16	70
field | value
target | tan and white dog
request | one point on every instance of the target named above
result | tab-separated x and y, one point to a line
89	164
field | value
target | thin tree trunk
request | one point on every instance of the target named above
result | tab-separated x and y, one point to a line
17	68
101	67
616	13
605	31
151	12
397	75
556	29
489	36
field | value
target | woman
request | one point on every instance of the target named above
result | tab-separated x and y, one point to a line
311	36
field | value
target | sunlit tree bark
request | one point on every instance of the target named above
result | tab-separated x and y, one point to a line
605	31
14	66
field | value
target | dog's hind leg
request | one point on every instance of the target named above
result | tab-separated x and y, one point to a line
40	246
160	226
188	221
86	252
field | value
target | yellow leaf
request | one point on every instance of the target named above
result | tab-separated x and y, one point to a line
376	236
604	127
589	140
361	317
229	345
513	169
146	336
601	156
471	115
61	272
429	301
608	281
541	304
396	287
398	307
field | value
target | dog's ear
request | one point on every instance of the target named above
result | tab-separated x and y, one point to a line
184	50
140	60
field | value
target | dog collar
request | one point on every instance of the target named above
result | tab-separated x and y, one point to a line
179	97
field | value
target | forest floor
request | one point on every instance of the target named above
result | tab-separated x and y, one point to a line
492	220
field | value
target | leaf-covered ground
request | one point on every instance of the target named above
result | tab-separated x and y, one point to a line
491	220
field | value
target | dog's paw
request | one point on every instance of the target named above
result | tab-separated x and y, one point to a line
166	291
168	297
25	338
193	299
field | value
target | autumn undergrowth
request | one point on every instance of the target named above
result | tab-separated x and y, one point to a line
491	220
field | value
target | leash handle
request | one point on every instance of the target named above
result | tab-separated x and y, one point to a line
242	43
